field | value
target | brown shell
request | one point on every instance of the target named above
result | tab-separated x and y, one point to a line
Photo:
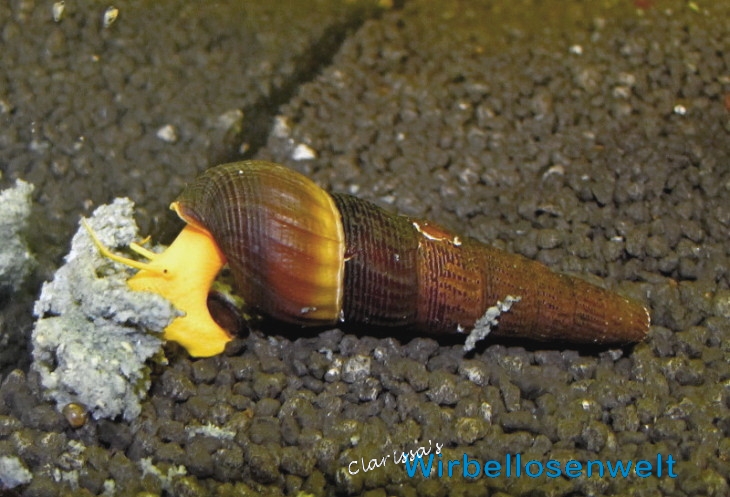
76	414
303	256
402	271
280	233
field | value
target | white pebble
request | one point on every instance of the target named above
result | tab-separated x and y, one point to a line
281	127
576	50
167	133
58	9
110	15
303	152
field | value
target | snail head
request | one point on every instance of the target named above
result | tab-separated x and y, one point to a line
183	274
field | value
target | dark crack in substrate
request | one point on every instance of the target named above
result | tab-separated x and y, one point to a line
594	139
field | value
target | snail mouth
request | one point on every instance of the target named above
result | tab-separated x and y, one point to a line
183	274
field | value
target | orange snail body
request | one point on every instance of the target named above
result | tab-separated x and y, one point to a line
304	256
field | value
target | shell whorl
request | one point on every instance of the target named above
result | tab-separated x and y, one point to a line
281	235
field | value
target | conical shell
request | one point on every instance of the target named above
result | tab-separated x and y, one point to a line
303	256
401	271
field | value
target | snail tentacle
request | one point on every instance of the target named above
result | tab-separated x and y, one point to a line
106	252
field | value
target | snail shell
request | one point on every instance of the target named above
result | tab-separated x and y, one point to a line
76	414
304	256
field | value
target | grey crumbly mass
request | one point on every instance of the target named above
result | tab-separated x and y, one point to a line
16	261
94	335
484	324
13	472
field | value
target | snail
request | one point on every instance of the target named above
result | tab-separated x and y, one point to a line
76	414
304	256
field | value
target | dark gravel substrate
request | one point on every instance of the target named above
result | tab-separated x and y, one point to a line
593	138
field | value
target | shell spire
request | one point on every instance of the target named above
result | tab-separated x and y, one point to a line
409	272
